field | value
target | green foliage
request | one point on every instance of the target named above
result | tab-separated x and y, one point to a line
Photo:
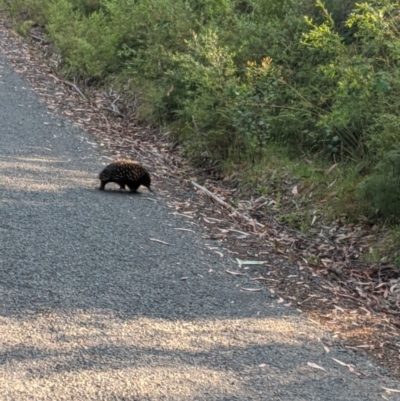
382	188
86	7
24	28
29	10
201	76
362	77
87	44
150	33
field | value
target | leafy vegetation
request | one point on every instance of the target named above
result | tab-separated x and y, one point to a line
238	79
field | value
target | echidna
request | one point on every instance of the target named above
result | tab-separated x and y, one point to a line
125	173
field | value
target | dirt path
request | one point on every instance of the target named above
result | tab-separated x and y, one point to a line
93	308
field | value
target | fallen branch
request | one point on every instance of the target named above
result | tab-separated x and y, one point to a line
39	39
72	85
114	110
227	206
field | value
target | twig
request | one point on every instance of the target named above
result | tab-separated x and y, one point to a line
181	214
39	39
263	278
234	273
184	229
72	85
115	111
157	240
226	205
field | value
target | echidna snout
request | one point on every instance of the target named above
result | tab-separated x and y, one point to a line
146	182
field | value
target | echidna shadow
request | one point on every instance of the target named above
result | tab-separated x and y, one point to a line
125	173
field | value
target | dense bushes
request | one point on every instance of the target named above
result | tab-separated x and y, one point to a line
382	188
233	76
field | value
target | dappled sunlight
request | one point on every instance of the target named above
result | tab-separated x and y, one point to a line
192	336
41	175
92	352
174	382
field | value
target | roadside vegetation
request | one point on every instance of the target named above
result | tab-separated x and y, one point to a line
291	95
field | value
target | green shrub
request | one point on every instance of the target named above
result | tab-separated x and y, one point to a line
87	43
33	10
24	28
362	78
87	7
201	76
382	188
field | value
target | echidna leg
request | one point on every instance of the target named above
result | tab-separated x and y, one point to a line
102	185
121	185
133	187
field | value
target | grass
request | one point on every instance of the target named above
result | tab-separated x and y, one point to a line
326	193
301	184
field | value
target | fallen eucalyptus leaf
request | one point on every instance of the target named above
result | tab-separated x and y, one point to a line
391	389
249	262
315	366
234	273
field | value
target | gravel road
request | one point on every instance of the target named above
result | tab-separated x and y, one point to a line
92	309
